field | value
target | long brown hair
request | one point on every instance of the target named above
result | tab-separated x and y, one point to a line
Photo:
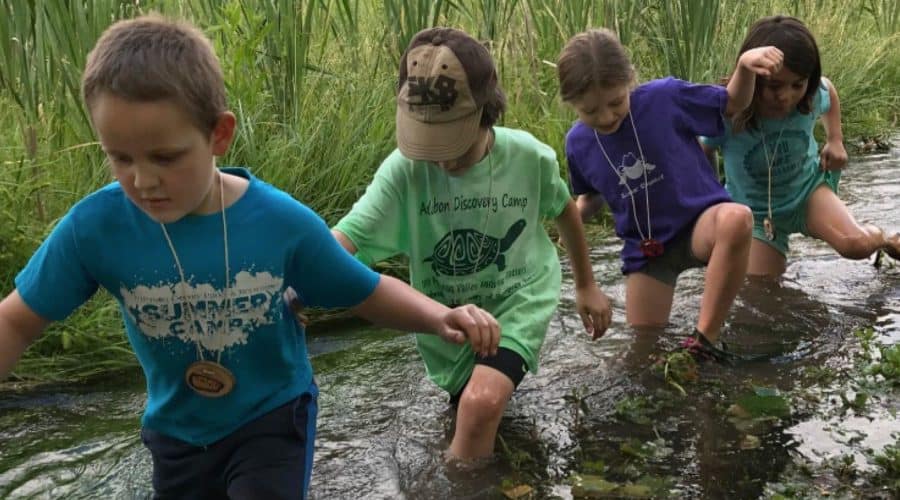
801	56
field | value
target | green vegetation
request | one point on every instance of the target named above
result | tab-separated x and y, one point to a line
312	85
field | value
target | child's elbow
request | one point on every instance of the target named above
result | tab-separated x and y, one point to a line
587	205
344	241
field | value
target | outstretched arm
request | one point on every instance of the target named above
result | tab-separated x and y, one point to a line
761	61
591	303
833	155
394	304
19	327
290	295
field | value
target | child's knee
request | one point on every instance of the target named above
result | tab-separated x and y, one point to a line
735	222
484	404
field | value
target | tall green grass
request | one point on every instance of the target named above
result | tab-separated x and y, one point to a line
312	83
404	18
683	32
885	15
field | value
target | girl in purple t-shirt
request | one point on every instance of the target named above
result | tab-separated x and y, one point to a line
635	148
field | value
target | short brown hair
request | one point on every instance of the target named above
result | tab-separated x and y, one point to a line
151	58
594	58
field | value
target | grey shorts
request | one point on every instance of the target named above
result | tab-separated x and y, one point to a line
677	258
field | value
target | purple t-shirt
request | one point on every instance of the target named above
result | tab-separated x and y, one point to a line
668	115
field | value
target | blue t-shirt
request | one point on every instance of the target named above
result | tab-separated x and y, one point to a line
791	148
668	115
274	242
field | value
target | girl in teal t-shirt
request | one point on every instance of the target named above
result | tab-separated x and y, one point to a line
773	163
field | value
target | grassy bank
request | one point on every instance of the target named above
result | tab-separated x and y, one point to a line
312	84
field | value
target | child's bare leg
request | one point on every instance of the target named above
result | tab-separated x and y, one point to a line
828	219
722	238
648	301
481	406
765	260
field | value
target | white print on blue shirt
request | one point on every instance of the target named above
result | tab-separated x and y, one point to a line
159	310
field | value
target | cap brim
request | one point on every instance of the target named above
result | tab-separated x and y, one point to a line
435	142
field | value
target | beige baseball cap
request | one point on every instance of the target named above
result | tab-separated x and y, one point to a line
446	77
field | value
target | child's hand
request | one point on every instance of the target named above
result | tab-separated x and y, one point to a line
475	324
833	156
293	302
764	61
594	309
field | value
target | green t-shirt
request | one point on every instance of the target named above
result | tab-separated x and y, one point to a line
476	238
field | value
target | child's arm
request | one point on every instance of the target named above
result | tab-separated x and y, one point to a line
344	241
394	304
19	327
762	61
591	303
833	155
588	205
710	152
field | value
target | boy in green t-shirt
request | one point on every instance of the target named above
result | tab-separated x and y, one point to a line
464	200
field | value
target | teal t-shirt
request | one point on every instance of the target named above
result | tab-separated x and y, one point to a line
790	147
477	238
274	242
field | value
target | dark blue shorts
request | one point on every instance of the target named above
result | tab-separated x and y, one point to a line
270	457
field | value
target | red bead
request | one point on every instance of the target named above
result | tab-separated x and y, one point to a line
651	248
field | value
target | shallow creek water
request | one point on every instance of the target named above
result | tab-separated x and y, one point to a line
596	408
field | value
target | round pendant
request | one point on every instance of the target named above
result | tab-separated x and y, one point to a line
769	228
209	379
651	248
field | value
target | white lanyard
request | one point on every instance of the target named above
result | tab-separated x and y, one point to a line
768	222
624	180
184	296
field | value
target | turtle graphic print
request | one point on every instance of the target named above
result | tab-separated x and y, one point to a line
461	252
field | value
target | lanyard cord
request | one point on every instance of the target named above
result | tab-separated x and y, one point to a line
770	163
184	300
625	180
483	225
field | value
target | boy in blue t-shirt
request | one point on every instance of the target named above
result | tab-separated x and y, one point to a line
198	259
